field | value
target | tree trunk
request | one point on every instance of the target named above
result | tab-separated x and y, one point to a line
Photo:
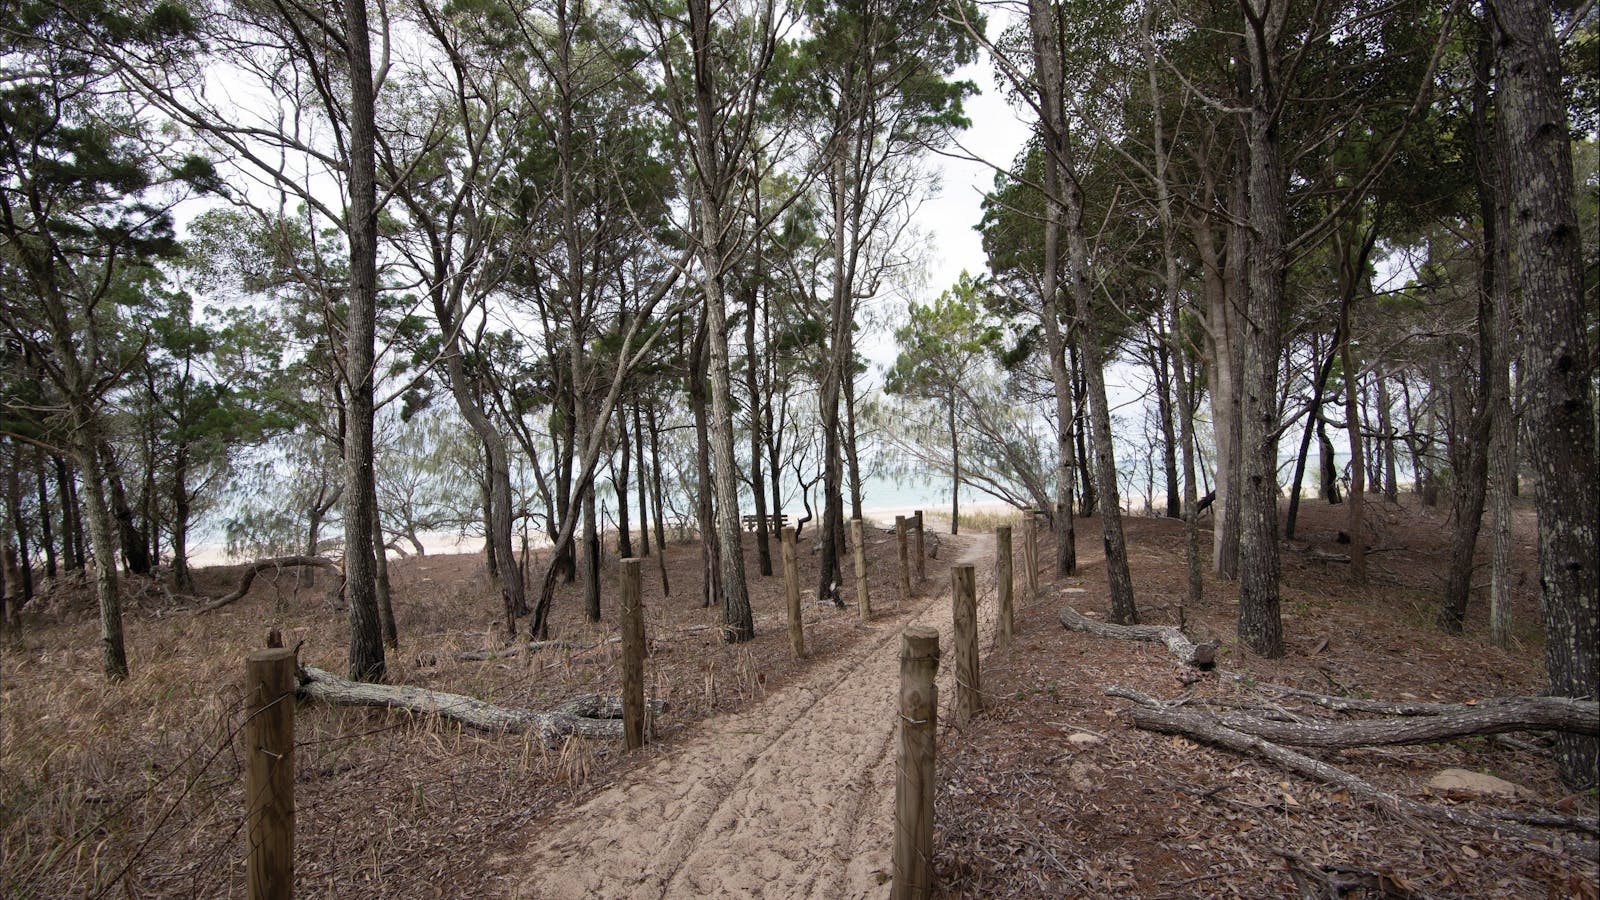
1472	484
1561	439
380	560
705	515
1324	448
1047	69
366	637
46	532
644	482
852	458
135	547
19	524
955	464
1358	489
656	495
1123	609
1391	481
591	554
182	580
103	538
619	486
1260	626
71	522
1236	299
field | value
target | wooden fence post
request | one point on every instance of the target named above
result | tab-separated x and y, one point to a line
921	553
269	774
901	538
791	586
914	780
1002	577
1030	554
633	708
858	537
964	603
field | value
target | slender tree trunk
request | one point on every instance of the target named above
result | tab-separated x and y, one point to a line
1123	609
135	548
71	522
1260	626
1237	299
1561	438
1047	69
656	495
102	535
46	532
1472	484
710	557
619	485
366	637
1088	502
1503	449
380	571
852	458
182	580
1391	480
758	488
591	554
644	484
1354	524
1313	421
19	524
1164	401
955	463
1180	387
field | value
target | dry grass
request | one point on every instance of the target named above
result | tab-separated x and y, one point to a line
136	788
1024	812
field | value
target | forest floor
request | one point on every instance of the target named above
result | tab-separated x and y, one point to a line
773	776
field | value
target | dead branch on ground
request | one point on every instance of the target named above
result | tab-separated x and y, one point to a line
1201	656
278	563
569	718
1152	715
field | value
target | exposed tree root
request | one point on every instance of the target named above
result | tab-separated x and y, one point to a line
590	715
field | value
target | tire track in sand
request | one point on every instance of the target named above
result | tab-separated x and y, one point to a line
790	797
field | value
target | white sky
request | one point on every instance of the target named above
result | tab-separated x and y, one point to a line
996	136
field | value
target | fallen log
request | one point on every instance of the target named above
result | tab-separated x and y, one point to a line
551	726
1585	710
1201	656
276	563
1152	715
1451	722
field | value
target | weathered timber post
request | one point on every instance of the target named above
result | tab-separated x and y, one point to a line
921	553
858	537
900	539
964	603
791	586
1002	578
914	780
269	774
1030	553
633	708
12	597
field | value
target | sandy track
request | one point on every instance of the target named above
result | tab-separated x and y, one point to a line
792	797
